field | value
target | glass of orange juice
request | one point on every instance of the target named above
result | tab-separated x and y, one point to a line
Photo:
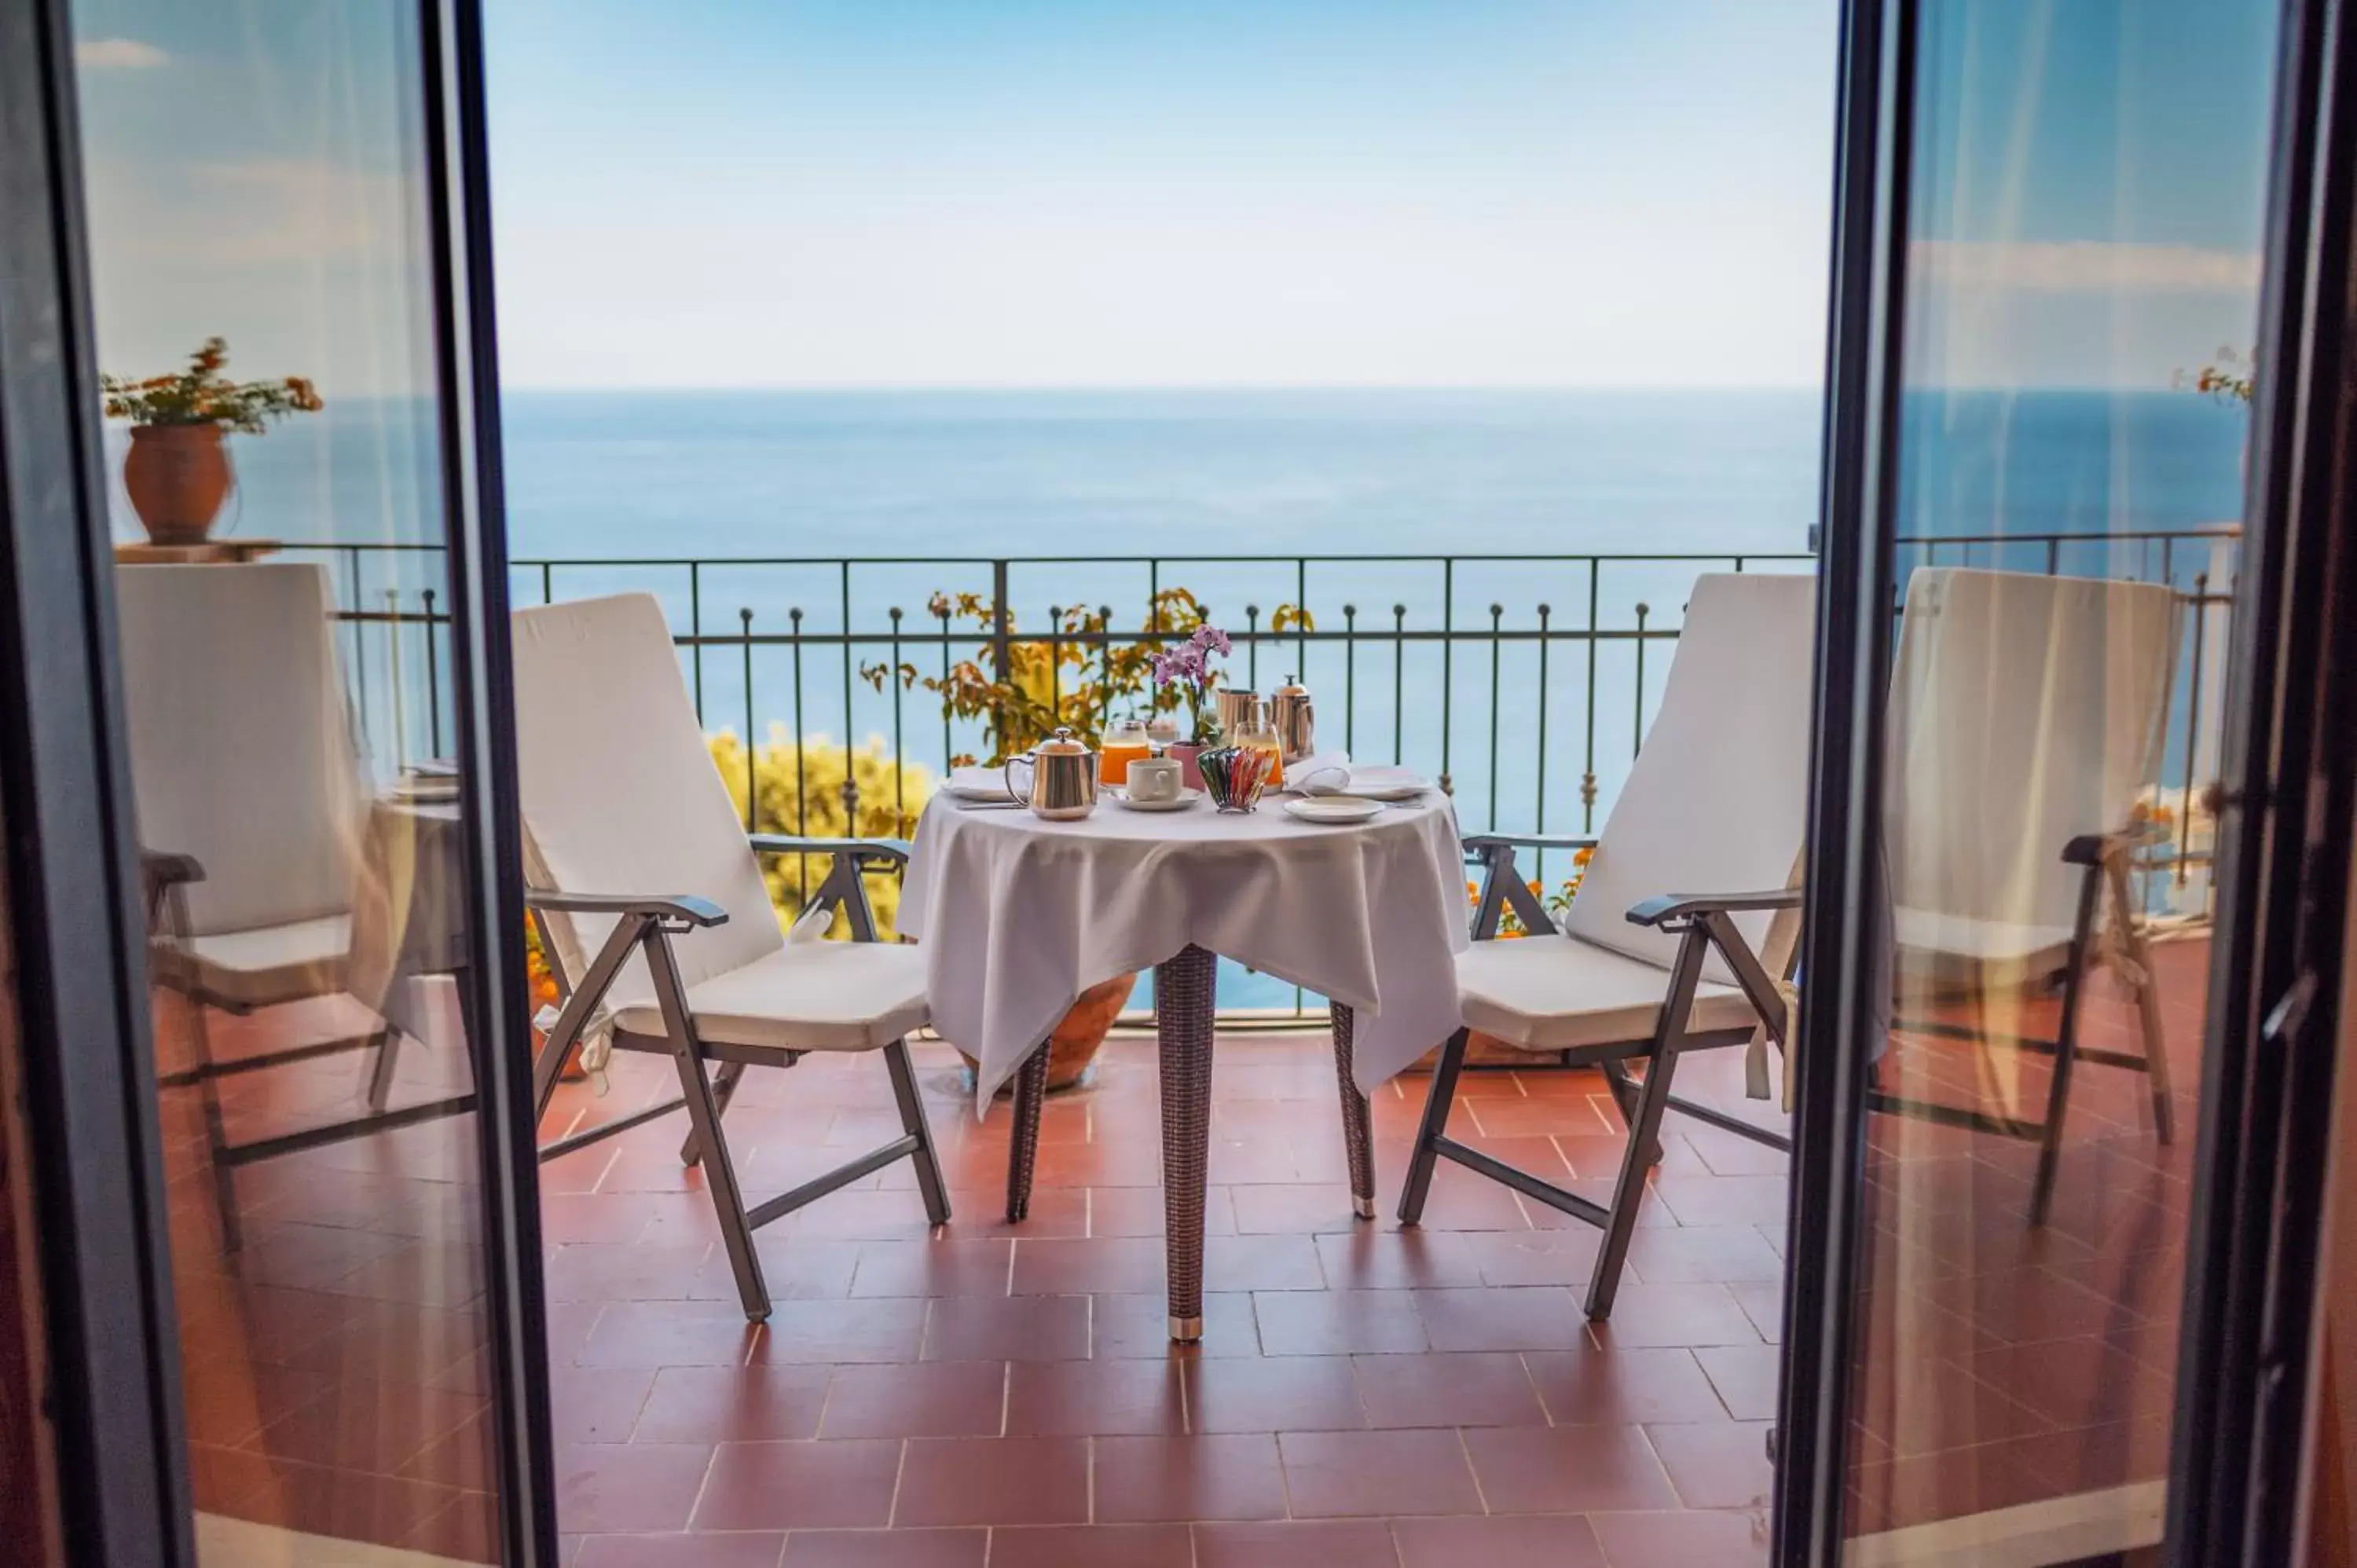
1125	743
1258	730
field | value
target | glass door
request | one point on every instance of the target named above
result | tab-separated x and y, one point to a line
275	581
2049	337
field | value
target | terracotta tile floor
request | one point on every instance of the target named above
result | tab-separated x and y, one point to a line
1008	1396
1364	1393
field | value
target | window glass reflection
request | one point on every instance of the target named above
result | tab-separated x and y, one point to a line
2082	281
255	177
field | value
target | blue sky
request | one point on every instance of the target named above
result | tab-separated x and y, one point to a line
719	193
1066	192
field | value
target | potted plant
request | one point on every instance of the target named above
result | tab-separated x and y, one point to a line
1186	671
178	469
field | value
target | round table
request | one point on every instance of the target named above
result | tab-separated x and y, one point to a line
1018	915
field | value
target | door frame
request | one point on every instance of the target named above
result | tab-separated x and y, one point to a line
2289	778
494	997
111	1337
1843	876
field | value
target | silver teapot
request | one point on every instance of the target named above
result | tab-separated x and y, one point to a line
1063	781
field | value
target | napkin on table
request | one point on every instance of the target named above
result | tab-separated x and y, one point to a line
1322	773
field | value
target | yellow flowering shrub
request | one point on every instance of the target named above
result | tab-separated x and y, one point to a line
798	789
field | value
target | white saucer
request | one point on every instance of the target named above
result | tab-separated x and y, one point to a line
1334	808
1187	797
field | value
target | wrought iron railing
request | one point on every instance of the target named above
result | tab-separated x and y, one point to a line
1522	683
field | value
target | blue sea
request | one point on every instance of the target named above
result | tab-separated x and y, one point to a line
1353	499
1223	473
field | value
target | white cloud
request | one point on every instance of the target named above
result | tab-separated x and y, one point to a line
2070	267
119	54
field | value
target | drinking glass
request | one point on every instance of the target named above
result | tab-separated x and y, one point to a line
1125	742
1257	729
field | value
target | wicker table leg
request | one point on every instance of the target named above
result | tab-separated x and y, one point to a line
1183	1000
1023	1136
1358	1141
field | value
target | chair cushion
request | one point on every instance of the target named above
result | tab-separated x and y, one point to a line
619	790
810	996
262	967
1551	993
1717	800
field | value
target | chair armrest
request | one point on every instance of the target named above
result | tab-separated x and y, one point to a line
891	851
1476	842
845	883
2095	849
165	870
684	906
1685	906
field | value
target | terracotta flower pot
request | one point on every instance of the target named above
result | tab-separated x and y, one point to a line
574	1071
178	476
1074	1043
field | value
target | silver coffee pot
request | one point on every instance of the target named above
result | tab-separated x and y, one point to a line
1062	784
1236	711
1296	727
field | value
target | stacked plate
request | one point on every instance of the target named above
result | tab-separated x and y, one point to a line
1334	810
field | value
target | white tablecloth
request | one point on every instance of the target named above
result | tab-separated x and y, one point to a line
408	912
1018	915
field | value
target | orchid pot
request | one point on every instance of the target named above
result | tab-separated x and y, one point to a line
1185	753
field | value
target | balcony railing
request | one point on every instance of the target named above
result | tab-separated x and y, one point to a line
1522	683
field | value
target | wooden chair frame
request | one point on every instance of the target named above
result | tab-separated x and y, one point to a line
1704	922
647	923
2104	860
167	878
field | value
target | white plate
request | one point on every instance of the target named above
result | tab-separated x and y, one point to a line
1187	798
1334	808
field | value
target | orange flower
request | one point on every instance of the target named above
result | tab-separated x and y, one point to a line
1580	857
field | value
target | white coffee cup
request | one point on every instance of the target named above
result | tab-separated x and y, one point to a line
1154	779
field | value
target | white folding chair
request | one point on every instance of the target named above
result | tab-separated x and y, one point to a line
654	917
251	803
1685	916
2027	718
